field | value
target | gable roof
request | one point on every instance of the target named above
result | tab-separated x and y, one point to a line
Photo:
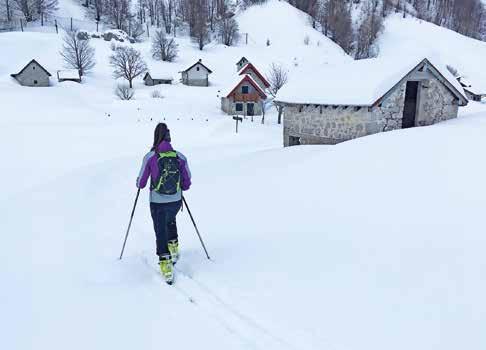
362	83
241	59
198	62
252	67
28	64
249	79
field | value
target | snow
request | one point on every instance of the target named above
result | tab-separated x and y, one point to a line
71	8
412	37
357	83
377	243
68	74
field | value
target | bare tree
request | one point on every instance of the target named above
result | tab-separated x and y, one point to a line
198	26
118	13
124	92
277	77
371	25
127	63
77	54
163	48
228	31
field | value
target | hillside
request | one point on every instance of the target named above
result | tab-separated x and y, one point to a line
374	244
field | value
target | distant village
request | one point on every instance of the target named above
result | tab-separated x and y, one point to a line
425	95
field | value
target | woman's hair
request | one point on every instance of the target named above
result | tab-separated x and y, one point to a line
161	133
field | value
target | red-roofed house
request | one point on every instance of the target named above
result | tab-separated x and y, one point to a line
244	98
251	70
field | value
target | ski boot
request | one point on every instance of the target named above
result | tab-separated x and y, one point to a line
166	268
174	250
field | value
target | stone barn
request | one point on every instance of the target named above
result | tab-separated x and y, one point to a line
244	98
151	79
367	97
33	74
250	69
241	63
196	75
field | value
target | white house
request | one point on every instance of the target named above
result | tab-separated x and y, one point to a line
196	75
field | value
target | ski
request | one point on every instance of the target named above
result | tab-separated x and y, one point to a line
181	291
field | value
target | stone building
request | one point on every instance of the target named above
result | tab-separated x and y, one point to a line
151	79
241	63
68	75
33	74
244	98
367	97
196	75
250	69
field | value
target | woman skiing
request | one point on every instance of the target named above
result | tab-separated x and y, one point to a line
169	175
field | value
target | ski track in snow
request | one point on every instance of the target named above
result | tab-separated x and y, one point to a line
230	318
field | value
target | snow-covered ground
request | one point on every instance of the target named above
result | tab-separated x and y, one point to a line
377	243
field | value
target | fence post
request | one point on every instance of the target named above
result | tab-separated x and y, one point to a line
97	23
21	25
71	24
55	24
148	31
42	19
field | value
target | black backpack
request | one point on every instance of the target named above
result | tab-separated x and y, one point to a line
169	180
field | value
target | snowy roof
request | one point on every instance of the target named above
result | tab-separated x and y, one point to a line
476	88
198	62
68	74
359	83
158	74
234	84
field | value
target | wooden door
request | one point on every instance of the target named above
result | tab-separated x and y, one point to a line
250	109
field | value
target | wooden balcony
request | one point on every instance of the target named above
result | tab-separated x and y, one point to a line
254	97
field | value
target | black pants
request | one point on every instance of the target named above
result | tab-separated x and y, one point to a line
164	217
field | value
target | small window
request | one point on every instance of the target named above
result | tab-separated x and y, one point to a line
294	141
300	109
245	89
35	82
239	107
197	68
33	67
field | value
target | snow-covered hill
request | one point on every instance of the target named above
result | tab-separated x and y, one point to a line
374	244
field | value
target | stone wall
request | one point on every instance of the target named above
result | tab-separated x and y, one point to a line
436	103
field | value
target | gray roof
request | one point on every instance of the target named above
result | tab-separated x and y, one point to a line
28	64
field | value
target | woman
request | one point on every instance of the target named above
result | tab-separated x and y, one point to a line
169	176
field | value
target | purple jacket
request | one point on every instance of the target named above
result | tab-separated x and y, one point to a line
150	169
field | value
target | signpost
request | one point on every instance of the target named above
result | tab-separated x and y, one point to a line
237	119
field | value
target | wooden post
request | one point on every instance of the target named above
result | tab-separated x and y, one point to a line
237	119
246	38
148	31
42	19
97	26
71	24
55	24
21	25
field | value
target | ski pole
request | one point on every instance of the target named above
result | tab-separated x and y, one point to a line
129	224
197	231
